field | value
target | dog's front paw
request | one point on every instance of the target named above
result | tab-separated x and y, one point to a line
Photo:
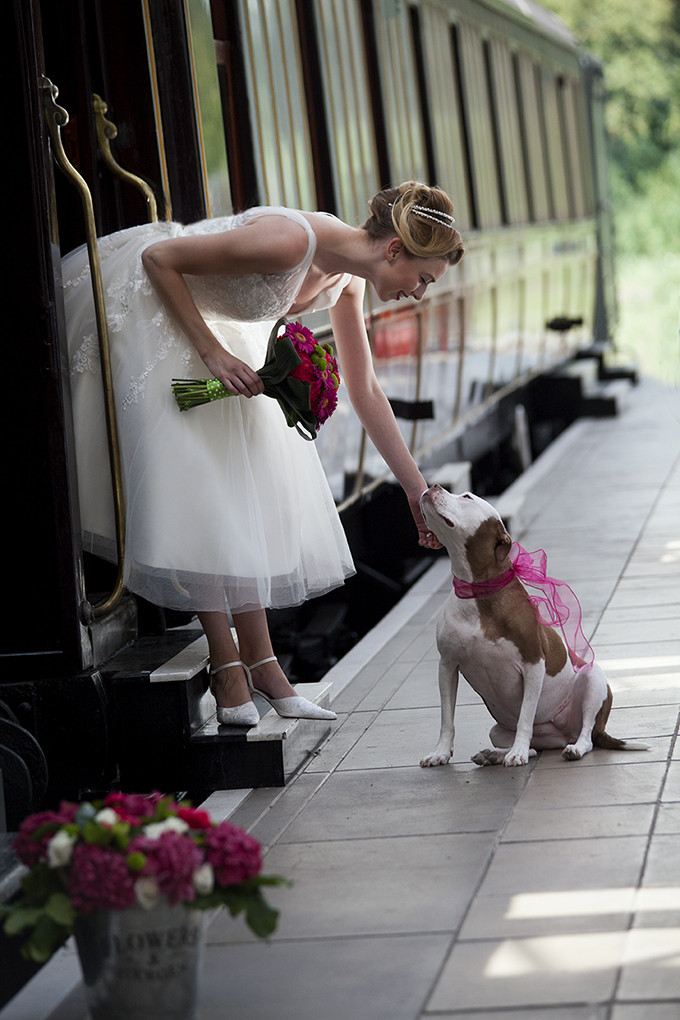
521	757
436	757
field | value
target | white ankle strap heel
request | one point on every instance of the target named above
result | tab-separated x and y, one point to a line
288	708
239	715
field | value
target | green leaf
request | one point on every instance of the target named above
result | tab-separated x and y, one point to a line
45	940
22	918
60	909
97	835
260	917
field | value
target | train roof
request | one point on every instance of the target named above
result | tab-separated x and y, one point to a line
531	16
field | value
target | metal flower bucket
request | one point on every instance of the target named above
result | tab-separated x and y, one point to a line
142	964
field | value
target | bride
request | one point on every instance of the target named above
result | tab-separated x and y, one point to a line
228	510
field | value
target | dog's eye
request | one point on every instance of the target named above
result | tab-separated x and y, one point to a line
466	495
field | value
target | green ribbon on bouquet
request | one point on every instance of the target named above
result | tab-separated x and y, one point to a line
292	395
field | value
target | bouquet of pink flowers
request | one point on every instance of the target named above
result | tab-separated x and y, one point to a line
299	372
131	850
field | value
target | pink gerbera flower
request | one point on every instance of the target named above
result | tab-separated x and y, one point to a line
302	338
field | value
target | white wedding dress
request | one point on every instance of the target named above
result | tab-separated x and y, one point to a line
227	507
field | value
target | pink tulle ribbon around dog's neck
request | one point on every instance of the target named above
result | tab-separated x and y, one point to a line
558	606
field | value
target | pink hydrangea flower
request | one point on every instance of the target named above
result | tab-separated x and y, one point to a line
100	879
234	855
172	860
133	807
30	848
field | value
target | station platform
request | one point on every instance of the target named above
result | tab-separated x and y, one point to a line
549	891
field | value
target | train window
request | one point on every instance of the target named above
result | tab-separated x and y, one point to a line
496	131
235	108
575	144
397	62
274	76
477	105
209	124
466	141
448	139
523	137
554	144
347	95
417	36
533	137
375	92
509	135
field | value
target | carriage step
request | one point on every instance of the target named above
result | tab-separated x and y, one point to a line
167	733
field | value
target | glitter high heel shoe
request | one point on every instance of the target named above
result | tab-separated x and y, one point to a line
290	708
239	715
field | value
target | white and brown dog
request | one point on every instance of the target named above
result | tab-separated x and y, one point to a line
519	667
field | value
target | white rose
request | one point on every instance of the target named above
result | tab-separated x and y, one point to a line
60	849
204	879
147	892
107	816
171	824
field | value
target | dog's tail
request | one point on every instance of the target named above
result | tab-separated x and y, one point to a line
602	739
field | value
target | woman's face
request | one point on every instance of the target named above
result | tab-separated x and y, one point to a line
403	276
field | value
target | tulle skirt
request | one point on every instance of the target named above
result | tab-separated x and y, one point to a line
227	508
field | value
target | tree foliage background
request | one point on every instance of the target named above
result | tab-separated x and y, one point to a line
639	46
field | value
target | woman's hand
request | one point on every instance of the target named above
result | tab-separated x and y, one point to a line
238	377
426	538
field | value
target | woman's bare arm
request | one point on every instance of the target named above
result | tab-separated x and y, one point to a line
371	404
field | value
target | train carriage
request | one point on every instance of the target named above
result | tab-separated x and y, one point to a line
309	103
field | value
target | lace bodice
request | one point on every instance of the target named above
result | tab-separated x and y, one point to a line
255	296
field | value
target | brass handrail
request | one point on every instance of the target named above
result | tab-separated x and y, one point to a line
57	117
107	130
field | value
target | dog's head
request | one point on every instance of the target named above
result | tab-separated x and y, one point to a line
471	531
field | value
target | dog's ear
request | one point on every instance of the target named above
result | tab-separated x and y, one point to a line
503	543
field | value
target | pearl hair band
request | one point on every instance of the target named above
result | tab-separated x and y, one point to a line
442	218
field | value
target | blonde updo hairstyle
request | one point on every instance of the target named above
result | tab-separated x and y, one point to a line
421	216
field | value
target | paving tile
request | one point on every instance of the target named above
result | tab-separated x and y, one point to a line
586	1012
661	688
269	827
668	819
671	790
593	786
403	737
651	965
569	885
657	906
379	886
343	738
644	1011
421	690
529	823
642	721
544	971
663	863
393	678
325	979
641	610
408	801
622	632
